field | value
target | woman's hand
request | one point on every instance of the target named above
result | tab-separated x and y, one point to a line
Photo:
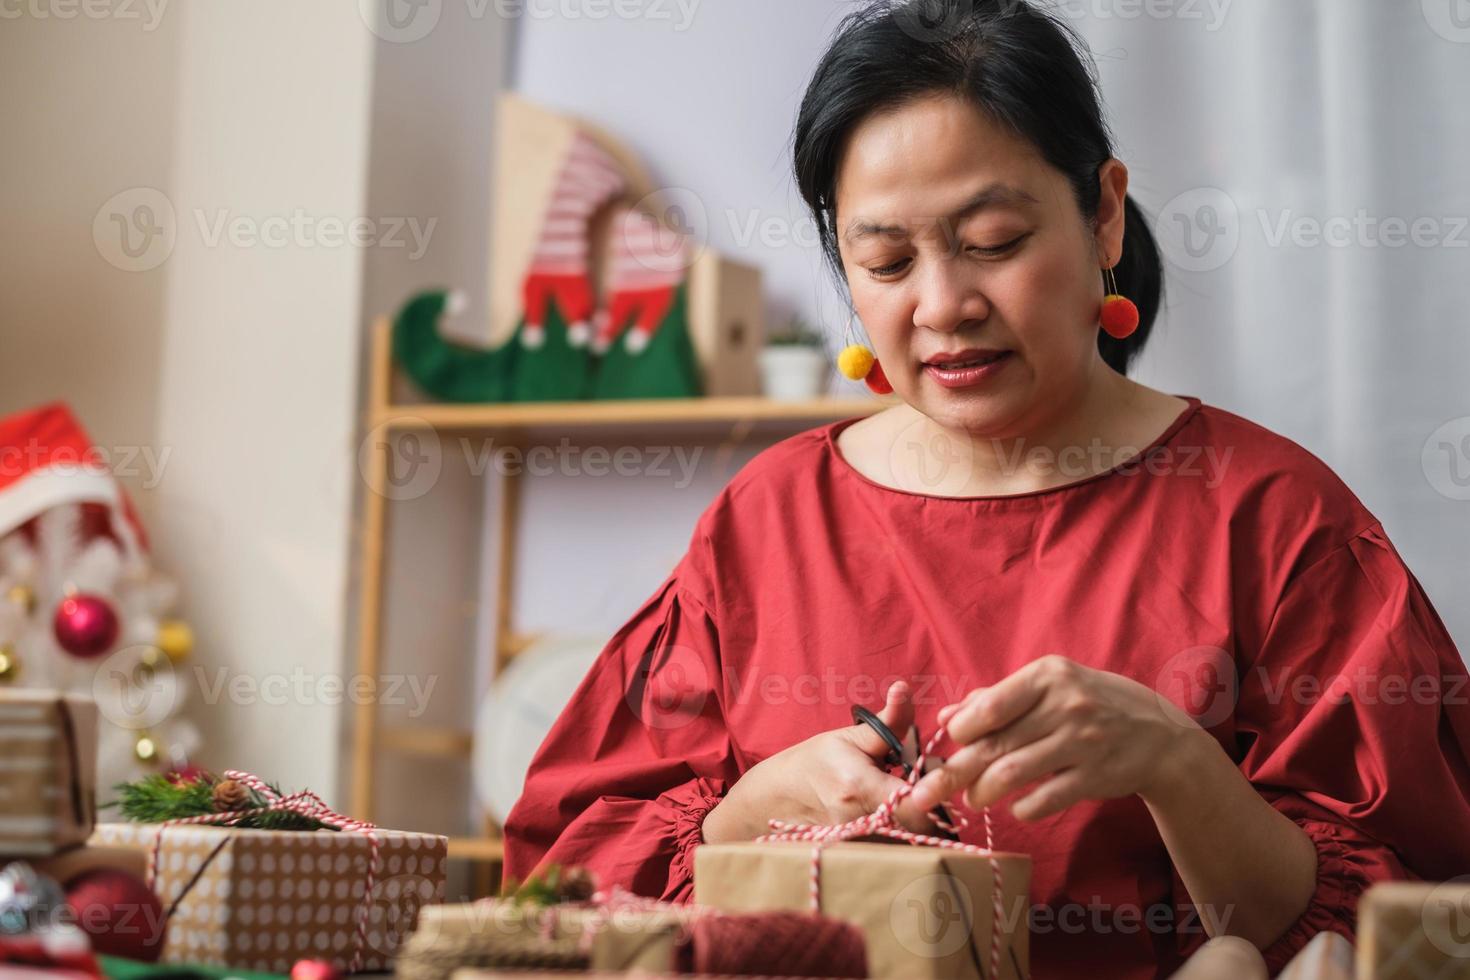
1070	732
830	778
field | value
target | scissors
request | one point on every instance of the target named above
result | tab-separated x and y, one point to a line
903	753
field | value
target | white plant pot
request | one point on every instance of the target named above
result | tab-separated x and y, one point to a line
793	373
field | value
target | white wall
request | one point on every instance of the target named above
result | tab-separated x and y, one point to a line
89	114
257	395
237	360
433	116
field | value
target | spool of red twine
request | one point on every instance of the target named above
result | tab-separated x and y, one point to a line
776	944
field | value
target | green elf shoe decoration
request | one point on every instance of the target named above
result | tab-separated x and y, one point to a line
444	370
451	372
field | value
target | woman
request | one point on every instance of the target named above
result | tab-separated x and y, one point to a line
1176	657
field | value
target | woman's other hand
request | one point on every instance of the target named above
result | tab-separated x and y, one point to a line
1068	733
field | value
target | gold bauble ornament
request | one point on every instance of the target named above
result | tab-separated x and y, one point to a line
145	748
176	639
151	659
9	664
23	596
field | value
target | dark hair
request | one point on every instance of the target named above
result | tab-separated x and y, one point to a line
1021	66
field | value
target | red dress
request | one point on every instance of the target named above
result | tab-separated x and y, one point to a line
1232	570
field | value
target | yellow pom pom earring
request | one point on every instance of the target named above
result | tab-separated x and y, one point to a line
857	362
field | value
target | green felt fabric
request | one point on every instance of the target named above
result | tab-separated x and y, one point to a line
556	371
119	969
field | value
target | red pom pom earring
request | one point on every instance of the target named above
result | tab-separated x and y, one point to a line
1119	313
857	363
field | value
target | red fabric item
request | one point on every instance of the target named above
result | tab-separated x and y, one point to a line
47	460
646	308
33	955
877	381
775	944
1232	555
572	294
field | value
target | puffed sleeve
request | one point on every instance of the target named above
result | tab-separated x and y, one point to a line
638	757
1353	722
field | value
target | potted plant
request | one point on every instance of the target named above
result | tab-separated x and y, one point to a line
793	363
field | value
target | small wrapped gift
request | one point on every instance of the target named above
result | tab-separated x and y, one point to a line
49	772
263	899
506	934
239	894
924	911
927	906
557	922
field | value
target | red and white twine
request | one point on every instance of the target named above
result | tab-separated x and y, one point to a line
881	823
305	804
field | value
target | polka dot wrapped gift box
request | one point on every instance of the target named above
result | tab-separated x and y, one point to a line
259	899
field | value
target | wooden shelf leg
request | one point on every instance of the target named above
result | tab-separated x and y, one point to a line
370	598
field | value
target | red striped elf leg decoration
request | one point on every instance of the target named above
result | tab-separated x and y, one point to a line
560	267
649	261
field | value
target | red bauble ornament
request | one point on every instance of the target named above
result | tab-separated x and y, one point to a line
878	381
315	970
186	774
1119	316
85	625
120	913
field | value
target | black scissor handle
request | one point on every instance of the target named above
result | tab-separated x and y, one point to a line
862	716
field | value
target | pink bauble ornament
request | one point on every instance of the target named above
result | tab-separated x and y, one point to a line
315	970
86	625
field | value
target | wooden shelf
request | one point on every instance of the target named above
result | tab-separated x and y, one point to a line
621	412
483	849
724	420
426	741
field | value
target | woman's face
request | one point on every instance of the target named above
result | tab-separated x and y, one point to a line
961	244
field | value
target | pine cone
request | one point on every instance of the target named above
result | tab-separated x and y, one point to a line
229	795
576	885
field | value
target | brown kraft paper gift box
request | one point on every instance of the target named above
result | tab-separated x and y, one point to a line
503	934
263	899
48	772
924	911
1411	930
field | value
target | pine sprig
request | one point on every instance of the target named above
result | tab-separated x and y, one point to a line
157	798
554	885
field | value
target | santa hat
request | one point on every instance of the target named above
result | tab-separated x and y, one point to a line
47	460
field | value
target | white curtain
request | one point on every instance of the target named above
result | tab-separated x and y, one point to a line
1307	163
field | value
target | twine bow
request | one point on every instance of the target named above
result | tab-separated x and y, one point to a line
882	823
305	804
